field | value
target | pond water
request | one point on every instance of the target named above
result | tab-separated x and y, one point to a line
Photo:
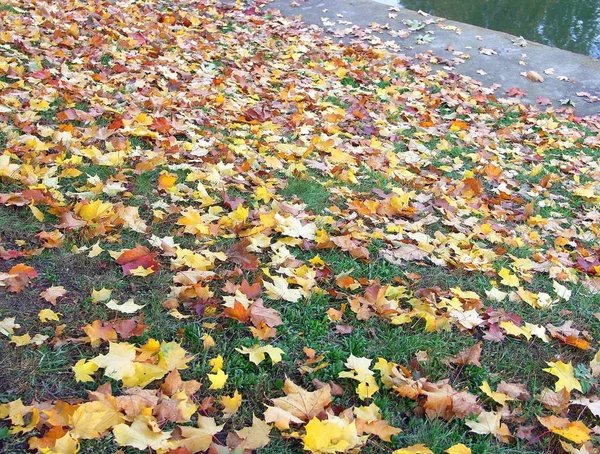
568	24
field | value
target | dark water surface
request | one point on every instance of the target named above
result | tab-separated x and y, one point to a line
568	24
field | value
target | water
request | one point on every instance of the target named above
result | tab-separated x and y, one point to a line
568	24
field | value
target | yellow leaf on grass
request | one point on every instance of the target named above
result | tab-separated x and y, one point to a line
140	436
217	380
256	353
565	374
118	362
279	289
508	278
140	271
199	439
330	436
231	404
46	315
95	251
414	449
575	431
83	370
93	419
500	398
36	212
101	295
458	449
128	307
216	363
20	341
8	325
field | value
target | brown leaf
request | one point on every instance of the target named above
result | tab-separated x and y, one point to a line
261	314
239	254
344	329
555	401
469	355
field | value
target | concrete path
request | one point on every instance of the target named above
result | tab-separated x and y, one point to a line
494	58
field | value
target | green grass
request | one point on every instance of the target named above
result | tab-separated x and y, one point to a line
307	191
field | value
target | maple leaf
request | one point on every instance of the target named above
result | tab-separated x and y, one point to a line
331	435
100	295
555	401
118	362
458	449
256	353
128	307
98	332
8	325
250	438
173	384
84	369
217	380
488	422
139	435
298	405
469	355
279	289
261	314
292	227
565	374
92	419
46	315
414	449
498	397
199	439
231	404
360	371
238	253
575	431
51	294
140	256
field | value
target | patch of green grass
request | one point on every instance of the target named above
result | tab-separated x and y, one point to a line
308	191
105	60
10	9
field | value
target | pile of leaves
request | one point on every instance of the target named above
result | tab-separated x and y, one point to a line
232	161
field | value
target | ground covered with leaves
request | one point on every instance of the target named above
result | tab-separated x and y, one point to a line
221	231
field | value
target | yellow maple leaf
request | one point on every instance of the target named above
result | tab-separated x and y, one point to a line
217	380
458	449
140	436
93	211
83	370
256	353
231	404
360	371
199	439
216	363
500	398
575	431
508	278
118	362
20	341
140	271
92	419
565	374
489	423
46	315
240	214
101	295
330	436
128	307
414	449
279	289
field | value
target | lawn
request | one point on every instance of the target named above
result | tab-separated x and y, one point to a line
222	231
